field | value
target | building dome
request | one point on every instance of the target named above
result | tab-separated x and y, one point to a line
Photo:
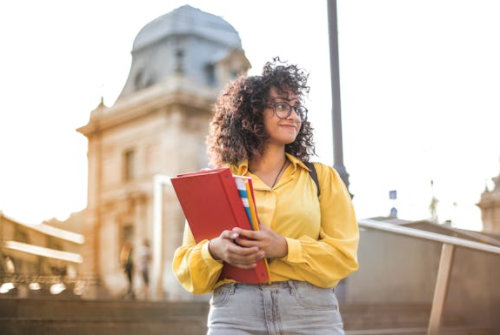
187	20
186	41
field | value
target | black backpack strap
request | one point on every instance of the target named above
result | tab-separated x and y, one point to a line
313	175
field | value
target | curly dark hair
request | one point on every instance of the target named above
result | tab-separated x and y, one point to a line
237	128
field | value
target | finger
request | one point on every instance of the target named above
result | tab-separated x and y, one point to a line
247	243
251	234
229	235
246	261
240	231
264	228
243	251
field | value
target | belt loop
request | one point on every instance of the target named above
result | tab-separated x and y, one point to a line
233	288
292	287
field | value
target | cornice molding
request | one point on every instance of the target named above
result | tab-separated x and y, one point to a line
175	90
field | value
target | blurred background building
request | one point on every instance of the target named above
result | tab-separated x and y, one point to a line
157	126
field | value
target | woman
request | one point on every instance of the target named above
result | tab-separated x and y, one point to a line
260	129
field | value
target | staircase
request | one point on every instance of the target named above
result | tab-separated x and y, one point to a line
400	319
83	317
385	319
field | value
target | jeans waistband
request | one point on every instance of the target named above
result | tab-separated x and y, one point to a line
292	284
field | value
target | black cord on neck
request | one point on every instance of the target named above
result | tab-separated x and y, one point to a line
276	179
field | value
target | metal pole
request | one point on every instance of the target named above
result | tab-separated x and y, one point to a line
441	289
338	153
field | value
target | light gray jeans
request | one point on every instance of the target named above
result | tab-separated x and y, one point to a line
284	308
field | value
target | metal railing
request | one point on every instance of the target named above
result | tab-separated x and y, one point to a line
445	262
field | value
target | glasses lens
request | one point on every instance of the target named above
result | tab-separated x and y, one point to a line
282	109
302	111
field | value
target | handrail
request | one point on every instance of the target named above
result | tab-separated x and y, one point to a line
393	228
445	263
48	230
18	278
42	251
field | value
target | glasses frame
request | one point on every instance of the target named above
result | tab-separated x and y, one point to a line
299	110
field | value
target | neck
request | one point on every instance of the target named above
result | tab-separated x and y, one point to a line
269	167
272	160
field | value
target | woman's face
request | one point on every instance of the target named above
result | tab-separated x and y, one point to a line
282	128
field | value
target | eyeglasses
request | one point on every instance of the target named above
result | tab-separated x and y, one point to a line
284	109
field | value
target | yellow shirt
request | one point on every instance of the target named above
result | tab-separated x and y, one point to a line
322	234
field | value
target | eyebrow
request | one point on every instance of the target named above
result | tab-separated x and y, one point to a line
297	100
284	98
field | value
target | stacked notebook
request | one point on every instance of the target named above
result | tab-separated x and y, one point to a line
214	201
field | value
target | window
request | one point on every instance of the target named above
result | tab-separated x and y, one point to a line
210	73
129	165
138	80
127	232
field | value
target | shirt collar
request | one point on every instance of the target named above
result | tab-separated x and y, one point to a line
240	169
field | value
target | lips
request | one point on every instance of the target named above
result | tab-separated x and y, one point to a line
291	126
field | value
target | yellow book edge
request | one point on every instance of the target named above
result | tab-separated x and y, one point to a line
255	218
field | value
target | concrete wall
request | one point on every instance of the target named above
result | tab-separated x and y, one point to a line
399	269
393	268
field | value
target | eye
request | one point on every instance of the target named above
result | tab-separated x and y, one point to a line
281	106
302	112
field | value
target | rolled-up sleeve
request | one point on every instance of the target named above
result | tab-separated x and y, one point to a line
194	266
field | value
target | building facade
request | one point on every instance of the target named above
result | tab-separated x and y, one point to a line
157	126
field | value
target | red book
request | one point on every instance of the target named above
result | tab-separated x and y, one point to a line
211	204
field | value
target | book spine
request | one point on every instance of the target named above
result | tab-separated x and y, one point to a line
241	185
253	209
234	199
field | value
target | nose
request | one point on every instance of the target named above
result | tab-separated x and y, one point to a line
294	114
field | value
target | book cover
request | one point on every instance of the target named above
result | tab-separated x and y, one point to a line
211	204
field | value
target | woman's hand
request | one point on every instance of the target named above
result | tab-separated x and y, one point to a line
226	247
273	244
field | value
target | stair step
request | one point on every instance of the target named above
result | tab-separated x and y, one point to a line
85	327
392	331
109	317
100	310
422	331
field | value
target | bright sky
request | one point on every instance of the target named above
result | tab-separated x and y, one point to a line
420	87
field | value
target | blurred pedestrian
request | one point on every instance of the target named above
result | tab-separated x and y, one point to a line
127	263
143	261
